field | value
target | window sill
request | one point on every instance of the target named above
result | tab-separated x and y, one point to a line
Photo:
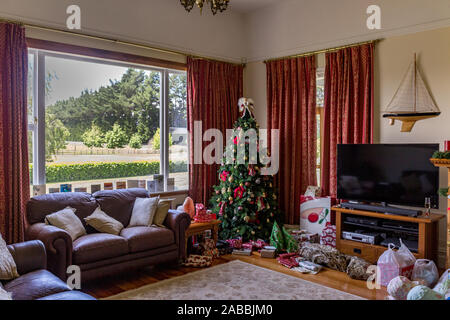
169	193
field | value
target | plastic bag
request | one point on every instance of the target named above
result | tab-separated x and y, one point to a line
425	272
443	285
395	263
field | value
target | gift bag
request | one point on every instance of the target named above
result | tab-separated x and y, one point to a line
425	272
395	263
282	240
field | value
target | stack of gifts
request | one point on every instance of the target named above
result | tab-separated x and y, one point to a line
206	251
235	243
203	215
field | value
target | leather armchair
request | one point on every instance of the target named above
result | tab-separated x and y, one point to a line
29	256
34	282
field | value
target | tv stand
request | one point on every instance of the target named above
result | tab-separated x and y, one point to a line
383	208
424	229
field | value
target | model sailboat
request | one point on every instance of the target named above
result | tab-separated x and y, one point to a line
412	101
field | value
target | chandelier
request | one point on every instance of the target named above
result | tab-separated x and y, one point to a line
216	5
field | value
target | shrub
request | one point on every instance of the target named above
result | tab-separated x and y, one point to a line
104	170
135	141
93	137
157	138
116	138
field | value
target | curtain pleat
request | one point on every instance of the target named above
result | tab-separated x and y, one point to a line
348	106
214	89
14	168
291	107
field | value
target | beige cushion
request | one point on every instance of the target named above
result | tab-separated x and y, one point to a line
8	268
101	222
161	213
67	220
4	295
144	210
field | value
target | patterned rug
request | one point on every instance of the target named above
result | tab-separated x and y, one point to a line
235	280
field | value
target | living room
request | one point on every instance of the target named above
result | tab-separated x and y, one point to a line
151	146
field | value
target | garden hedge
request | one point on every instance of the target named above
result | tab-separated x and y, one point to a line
105	170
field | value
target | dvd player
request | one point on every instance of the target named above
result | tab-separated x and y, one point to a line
362	236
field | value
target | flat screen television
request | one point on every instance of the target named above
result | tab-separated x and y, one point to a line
400	174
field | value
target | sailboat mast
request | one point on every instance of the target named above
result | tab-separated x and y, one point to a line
415	83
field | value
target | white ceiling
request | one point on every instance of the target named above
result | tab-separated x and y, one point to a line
246	6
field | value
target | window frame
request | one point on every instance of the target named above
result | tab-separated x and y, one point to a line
42	49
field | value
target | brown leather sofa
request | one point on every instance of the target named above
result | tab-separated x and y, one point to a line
101	254
36	283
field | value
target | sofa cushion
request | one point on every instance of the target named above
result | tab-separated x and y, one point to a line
67	220
34	285
40	206
98	246
119	203
147	238
69	295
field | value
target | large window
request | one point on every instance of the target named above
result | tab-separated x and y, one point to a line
102	124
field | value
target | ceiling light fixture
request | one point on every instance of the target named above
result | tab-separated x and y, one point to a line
216	5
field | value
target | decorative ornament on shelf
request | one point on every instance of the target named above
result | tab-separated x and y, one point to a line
412	101
216	5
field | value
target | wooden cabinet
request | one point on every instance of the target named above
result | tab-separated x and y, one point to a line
427	239
445	163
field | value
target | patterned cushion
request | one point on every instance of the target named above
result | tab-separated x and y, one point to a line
8	268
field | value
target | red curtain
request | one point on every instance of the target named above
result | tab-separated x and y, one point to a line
291	105
348	106
14	172
214	89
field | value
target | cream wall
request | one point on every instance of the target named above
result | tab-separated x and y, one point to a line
161	23
294	26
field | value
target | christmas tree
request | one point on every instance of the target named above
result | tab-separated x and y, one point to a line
245	200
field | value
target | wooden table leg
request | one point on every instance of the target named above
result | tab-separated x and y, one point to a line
215	232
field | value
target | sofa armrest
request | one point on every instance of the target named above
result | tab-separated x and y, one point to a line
29	256
58	245
178	222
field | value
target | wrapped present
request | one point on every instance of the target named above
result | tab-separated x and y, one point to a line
328	236
203	215
198	261
289	260
235	243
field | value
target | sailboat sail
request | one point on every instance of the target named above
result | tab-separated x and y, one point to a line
412	96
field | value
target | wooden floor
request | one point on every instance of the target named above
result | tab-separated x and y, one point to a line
338	280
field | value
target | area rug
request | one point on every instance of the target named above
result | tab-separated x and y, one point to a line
235	280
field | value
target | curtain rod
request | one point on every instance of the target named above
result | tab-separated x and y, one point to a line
128	43
306	54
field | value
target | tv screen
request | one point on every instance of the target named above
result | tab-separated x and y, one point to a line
399	174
